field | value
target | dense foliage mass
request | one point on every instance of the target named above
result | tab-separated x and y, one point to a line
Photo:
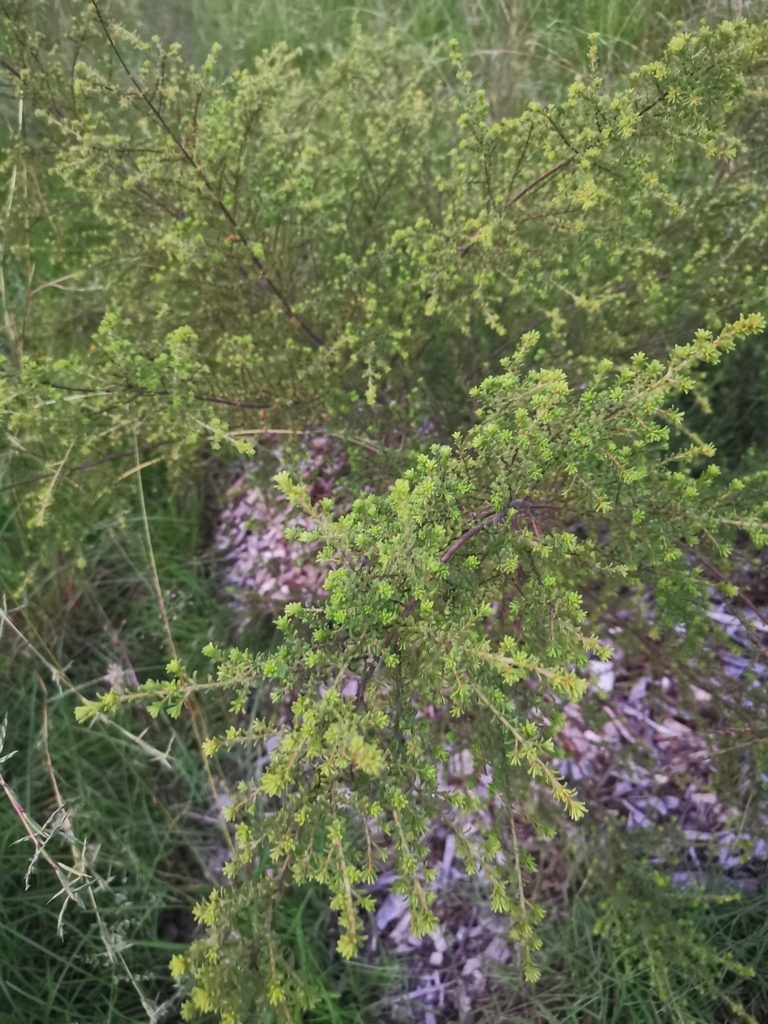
486	309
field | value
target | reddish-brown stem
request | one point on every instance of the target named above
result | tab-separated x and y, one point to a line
485	522
538	181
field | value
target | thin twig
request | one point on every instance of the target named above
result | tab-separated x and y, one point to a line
538	181
84	465
714	571
369	445
163	393
11	68
473	531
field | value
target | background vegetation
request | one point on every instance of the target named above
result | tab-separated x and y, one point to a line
130	800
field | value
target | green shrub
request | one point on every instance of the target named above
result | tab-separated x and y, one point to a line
280	251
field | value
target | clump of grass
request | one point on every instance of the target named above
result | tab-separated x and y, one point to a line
149	866
106	959
631	947
585	977
123	793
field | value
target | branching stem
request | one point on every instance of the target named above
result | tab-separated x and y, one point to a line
238	236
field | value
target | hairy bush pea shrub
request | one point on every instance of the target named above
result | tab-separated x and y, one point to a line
451	590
